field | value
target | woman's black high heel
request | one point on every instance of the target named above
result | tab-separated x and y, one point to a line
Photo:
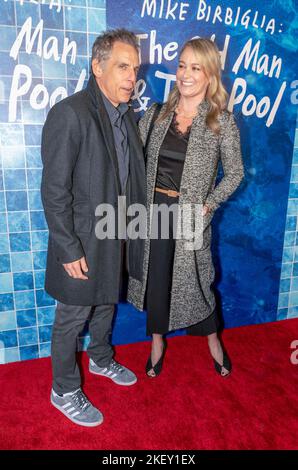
226	363
157	368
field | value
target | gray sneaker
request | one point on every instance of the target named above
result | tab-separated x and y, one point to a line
116	372
76	407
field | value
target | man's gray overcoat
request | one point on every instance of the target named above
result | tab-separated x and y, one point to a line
80	173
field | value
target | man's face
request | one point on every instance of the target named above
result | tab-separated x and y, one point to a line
116	76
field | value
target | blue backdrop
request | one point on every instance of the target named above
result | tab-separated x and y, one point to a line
258	51
44	56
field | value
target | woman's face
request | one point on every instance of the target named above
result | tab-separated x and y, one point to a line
191	79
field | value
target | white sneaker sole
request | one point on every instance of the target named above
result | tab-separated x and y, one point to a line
80	423
114	380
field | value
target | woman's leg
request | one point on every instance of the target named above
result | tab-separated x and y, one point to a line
216	351
157	347
210	328
159	284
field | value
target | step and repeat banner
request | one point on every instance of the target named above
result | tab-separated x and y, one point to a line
45	49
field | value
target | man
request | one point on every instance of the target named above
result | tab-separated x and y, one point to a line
92	154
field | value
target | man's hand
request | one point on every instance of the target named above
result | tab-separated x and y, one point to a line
76	269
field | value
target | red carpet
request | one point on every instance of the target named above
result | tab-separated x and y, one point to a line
188	407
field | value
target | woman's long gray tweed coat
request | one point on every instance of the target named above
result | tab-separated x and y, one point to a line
192	298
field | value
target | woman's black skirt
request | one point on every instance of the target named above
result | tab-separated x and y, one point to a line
160	282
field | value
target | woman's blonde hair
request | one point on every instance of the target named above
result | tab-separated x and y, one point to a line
208	57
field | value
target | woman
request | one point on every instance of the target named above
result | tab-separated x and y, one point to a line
192	131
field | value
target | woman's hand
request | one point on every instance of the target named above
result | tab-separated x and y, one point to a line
206	210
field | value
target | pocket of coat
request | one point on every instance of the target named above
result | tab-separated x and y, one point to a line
82	224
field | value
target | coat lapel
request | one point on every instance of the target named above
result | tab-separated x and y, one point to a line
135	143
107	131
105	125
136	181
195	160
156	139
